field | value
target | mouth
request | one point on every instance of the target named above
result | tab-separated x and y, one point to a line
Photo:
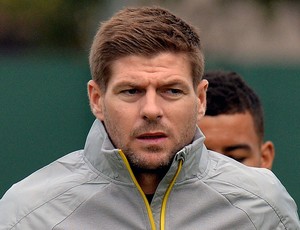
152	136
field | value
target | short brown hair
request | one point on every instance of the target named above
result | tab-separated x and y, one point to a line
143	31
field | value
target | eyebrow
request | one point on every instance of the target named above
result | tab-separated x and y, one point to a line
136	84
235	147
174	82
126	83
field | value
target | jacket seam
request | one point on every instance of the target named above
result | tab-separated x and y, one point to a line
256	195
72	211
53	198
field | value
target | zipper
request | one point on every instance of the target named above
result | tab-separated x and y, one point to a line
150	215
166	196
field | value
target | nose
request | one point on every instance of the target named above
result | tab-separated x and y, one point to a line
151	107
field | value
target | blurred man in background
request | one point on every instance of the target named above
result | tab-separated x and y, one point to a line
234	120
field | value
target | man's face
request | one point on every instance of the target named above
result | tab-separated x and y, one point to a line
150	108
233	135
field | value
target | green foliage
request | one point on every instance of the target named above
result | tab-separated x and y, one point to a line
43	23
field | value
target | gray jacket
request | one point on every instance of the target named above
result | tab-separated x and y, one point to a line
94	188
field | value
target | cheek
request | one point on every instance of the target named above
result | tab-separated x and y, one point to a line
190	113
121	118
253	161
185	117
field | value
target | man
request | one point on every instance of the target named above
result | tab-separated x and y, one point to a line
144	165
233	123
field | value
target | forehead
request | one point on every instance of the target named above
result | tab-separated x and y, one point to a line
163	67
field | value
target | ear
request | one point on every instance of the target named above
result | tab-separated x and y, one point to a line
267	154
95	98
201	92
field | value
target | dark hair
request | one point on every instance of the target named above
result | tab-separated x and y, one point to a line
143	31
228	93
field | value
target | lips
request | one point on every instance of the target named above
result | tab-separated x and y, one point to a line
152	136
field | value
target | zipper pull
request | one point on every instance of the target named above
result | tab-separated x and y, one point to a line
180	156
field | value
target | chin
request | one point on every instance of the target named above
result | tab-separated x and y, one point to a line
152	165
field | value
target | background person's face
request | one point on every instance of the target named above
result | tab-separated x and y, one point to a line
150	108
233	135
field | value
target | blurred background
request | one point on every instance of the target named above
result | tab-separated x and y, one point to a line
44	46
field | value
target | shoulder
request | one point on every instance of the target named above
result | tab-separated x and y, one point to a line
256	191
42	186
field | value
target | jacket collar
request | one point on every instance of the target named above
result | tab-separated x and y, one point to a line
102	156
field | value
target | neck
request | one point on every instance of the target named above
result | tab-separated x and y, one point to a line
149	180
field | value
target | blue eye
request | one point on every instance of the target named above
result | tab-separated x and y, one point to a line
130	91
172	93
175	91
